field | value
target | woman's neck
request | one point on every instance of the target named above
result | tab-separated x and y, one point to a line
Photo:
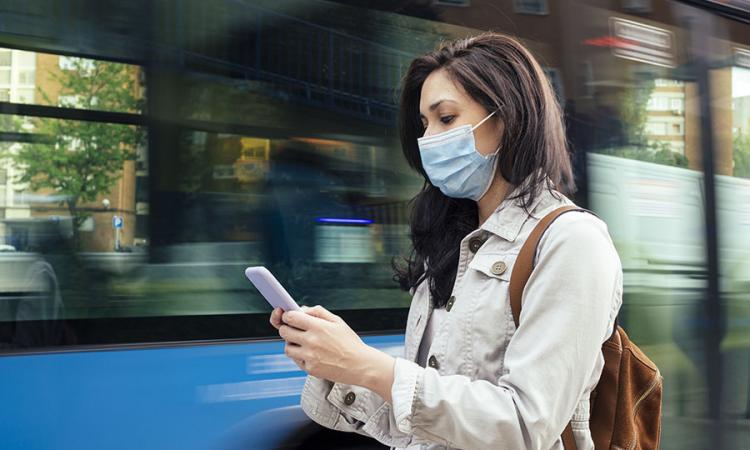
499	189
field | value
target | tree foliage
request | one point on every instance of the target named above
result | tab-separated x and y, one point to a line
82	159
741	155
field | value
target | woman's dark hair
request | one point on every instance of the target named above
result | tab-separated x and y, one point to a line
496	71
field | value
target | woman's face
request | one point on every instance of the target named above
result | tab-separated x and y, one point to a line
444	105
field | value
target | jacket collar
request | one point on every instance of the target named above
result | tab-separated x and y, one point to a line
508	218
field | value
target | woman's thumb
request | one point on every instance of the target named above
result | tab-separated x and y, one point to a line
322	313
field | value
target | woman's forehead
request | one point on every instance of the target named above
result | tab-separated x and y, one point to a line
438	86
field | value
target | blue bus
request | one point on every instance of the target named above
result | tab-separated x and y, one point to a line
152	150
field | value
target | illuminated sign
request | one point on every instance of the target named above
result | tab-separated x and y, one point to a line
640	42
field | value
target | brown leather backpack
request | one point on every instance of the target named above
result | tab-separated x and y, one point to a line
626	403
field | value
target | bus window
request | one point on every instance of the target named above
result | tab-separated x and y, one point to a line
729	83
151	151
72	165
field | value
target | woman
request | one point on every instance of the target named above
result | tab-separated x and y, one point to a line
480	122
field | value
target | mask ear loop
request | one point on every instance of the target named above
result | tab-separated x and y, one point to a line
497	150
484	120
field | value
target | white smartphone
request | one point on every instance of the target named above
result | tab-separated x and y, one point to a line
272	290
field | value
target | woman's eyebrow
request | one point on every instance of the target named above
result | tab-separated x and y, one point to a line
437	103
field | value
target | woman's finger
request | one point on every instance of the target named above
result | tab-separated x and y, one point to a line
300	320
322	313
276	318
292	335
300	363
293	351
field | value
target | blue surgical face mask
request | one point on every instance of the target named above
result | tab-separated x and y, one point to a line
454	165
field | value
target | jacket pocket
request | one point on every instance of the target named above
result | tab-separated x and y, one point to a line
494	265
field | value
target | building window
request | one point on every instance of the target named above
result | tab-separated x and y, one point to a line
5	58
658	104
677	128
25	95
4	95
656	128
21	198
665	82
26	76
677	104
25	59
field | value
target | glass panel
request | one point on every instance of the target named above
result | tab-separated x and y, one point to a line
54	76
272	141
730	107
67	179
315	204
639	123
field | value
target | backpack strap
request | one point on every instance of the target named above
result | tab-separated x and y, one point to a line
524	264
522	269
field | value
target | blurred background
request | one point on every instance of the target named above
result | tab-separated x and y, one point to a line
151	150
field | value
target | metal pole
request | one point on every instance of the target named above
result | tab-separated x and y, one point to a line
698	23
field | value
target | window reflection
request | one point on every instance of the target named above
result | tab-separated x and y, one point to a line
270	140
733	215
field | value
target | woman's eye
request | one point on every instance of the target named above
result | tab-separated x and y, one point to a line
446	120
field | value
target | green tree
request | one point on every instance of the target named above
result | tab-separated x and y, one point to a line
654	152
741	155
634	115
633	112
661	153
83	159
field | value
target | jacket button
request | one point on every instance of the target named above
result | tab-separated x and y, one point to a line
474	244
349	399
499	268
433	362
450	303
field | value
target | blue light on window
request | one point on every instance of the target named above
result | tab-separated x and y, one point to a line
344	221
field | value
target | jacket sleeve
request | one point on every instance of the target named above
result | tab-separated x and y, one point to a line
368	414
567	308
324	402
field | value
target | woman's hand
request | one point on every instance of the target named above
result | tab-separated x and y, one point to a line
276	322
323	345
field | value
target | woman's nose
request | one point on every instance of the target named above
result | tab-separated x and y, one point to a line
427	132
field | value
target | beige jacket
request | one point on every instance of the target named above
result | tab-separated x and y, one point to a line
488	385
